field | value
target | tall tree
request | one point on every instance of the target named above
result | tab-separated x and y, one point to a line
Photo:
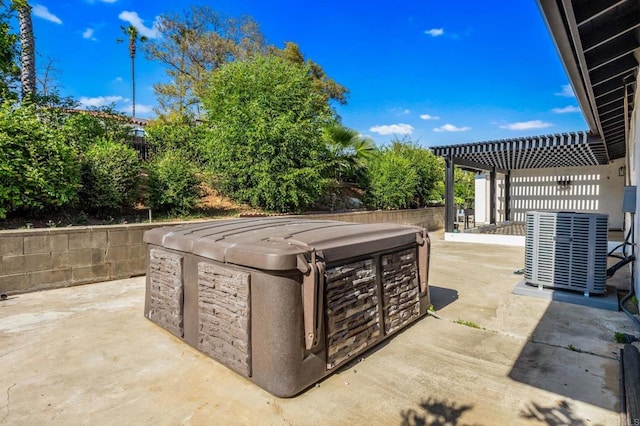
326	85
46	77
134	37
191	47
27	44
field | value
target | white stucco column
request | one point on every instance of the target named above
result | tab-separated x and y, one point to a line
481	198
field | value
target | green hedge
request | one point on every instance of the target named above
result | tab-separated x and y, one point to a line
173	183
38	169
110	173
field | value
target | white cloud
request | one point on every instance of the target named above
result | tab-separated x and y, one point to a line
118	79
398	129
429	117
565	110
435	32
136	21
567	92
88	34
143	109
400	111
99	101
451	128
527	125
42	12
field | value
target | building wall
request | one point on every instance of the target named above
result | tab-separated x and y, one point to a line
633	162
39	259
592	189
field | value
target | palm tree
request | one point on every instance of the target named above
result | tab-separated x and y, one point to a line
349	150
134	37
27	53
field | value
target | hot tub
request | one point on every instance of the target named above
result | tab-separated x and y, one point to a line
285	301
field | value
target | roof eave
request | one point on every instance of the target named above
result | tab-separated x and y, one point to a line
565	42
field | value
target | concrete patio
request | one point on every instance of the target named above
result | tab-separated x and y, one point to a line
87	355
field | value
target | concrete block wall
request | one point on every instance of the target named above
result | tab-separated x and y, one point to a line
39	259
431	218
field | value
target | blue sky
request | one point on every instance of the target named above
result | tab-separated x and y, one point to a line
436	72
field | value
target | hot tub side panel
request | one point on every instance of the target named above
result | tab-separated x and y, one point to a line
165	292
281	364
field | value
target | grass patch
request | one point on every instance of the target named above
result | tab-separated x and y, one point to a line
620	337
573	348
468	323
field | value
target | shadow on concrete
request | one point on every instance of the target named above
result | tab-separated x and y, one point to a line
441	297
434	412
556	415
551	361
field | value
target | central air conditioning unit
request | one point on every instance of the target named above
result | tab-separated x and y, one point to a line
567	250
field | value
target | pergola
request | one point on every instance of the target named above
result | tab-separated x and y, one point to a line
598	43
503	156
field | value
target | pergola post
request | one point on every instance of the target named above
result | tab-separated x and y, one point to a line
492	196
449	212
507	197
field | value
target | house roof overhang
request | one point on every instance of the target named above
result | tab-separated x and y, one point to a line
598	43
559	150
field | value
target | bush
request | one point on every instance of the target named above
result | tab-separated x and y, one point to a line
109	176
429	168
265	142
179	134
86	127
393	181
173	183
38	170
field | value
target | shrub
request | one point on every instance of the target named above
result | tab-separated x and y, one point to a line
393	181
179	134
429	168
265	143
173	183
86	127
109	176
38	170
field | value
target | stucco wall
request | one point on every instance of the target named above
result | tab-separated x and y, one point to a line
40	259
592	189
633	162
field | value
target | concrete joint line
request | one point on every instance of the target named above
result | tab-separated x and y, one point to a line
578	350
8	403
530	339
458	321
